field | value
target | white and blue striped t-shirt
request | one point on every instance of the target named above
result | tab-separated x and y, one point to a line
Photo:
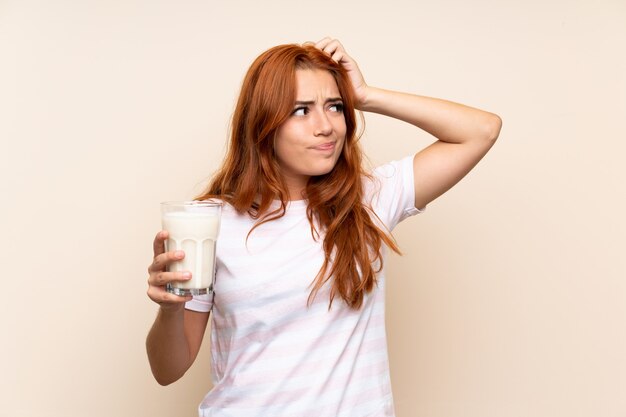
274	356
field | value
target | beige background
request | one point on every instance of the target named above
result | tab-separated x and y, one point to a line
509	300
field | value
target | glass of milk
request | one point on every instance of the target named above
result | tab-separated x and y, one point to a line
193	227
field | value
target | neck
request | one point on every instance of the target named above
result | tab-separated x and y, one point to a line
296	187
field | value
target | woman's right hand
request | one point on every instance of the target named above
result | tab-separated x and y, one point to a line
338	53
159	277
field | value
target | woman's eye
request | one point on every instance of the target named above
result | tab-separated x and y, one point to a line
300	111
337	107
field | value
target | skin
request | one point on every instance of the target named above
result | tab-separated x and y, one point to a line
311	140
463	136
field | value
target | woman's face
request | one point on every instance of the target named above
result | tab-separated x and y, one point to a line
310	141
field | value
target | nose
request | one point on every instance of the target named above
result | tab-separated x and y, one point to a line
323	126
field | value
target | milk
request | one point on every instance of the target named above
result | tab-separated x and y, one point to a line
193	230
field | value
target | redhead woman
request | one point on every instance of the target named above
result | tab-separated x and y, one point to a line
297	311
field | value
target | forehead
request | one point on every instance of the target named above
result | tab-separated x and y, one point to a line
313	83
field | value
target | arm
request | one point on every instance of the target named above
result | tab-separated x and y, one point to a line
176	335
174	342
464	134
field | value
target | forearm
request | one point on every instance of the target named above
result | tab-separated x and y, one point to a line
168	348
447	121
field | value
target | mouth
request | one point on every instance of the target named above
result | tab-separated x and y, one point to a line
326	146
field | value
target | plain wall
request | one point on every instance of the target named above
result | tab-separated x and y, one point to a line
509	300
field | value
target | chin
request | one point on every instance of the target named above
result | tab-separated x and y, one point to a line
323	170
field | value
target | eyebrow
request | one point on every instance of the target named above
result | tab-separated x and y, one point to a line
328	100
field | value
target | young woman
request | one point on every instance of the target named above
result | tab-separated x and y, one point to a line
298	305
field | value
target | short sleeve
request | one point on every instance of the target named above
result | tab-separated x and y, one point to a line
392	192
200	303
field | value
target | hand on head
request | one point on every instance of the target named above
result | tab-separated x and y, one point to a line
338	53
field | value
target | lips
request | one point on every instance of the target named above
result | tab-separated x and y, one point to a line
327	146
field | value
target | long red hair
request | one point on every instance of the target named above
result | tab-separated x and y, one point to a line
250	177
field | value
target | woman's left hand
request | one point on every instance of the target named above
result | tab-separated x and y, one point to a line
337	52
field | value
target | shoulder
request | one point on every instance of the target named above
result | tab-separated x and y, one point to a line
394	174
390	191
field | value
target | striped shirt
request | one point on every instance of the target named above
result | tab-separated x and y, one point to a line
271	354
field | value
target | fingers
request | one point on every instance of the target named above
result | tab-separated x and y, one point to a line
161	261
158	293
158	246
337	53
160	296
161	279
334	48
323	43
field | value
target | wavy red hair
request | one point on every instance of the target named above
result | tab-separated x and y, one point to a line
250	177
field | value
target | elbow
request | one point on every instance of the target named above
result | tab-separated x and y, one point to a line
164	380
165	375
492	127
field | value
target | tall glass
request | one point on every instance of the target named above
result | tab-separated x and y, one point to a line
193	227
